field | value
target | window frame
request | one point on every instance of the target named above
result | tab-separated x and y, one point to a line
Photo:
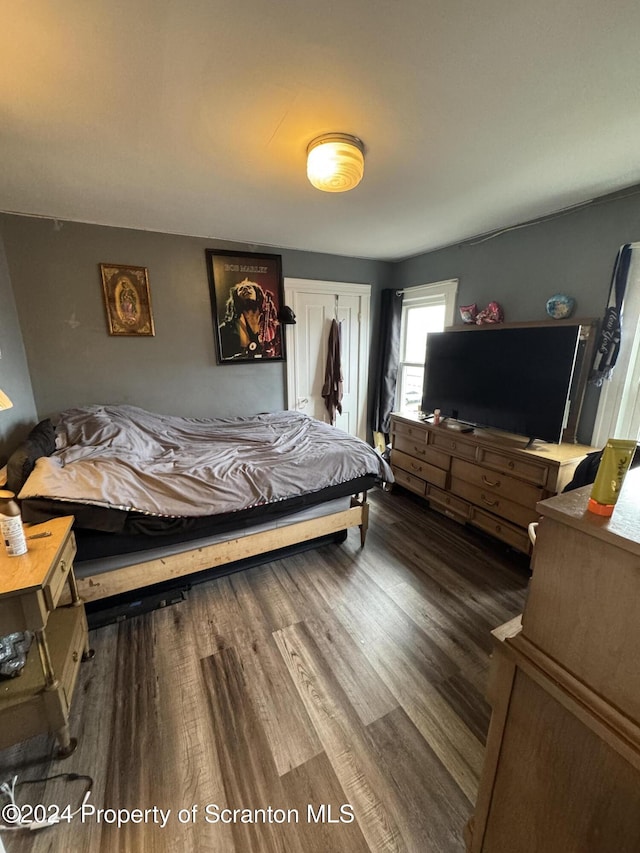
424	295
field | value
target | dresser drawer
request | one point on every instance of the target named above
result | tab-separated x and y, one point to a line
59	573
525	469
496	483
416	432
495	503
453	445
423	452
503	530
414	484
419	468
448	503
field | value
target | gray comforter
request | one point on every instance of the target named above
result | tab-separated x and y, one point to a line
126	458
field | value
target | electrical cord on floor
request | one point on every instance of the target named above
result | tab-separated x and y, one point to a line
11	813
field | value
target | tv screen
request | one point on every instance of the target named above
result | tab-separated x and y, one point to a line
514	379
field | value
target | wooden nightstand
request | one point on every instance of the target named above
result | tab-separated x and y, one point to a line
38	700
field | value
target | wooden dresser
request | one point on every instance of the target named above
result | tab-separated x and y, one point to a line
562	764
478	479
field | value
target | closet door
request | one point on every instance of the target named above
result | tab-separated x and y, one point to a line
315	304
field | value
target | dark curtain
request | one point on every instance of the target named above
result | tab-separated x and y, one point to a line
608	345
387	372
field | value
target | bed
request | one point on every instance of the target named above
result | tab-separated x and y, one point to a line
157	498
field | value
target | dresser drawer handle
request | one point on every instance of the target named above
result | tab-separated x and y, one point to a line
63	566
511	463
419	450
489	482
453	445
486	501
416	467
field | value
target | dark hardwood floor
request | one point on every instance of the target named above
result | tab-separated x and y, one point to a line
339	677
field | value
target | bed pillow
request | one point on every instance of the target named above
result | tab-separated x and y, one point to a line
41	441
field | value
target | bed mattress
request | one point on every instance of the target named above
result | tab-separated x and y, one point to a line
142	533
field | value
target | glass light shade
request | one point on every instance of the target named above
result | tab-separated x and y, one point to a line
335	162
5	402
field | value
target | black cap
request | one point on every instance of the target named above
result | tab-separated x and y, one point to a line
286	316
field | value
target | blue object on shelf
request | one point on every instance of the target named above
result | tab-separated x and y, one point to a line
560	306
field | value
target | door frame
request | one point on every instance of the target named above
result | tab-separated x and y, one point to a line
292	286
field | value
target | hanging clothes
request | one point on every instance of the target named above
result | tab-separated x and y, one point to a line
609	340
387	370
332	388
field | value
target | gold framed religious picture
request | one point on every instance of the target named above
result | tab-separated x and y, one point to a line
247	296
127	300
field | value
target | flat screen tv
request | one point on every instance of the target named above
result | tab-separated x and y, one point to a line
511	379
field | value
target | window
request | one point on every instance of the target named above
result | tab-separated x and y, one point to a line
426	308
619	406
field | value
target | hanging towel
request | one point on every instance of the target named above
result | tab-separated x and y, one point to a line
332	388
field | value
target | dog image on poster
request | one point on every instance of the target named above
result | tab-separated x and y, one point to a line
246	296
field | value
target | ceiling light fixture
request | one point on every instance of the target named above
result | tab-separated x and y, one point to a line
5	402
335	162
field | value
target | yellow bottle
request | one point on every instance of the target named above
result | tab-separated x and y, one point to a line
615	462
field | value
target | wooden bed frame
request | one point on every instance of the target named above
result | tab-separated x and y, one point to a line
188	562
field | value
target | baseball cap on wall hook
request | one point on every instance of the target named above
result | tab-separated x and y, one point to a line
286	316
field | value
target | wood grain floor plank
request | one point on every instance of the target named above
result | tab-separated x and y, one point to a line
402	669
251	779
450	635
215	615
135	741
289	731
433	808
257	602
364	596
316	785
187	729
367	694
272	606
341	734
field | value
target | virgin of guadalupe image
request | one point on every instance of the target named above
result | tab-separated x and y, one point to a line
127	303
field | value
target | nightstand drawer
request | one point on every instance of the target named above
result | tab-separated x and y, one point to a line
418	468
59	573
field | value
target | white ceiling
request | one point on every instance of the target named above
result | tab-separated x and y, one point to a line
193	117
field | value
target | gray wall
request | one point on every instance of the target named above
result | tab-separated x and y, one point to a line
522	268
14	373
573	253
73	361
53	274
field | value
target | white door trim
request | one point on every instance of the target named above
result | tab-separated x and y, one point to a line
339	288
